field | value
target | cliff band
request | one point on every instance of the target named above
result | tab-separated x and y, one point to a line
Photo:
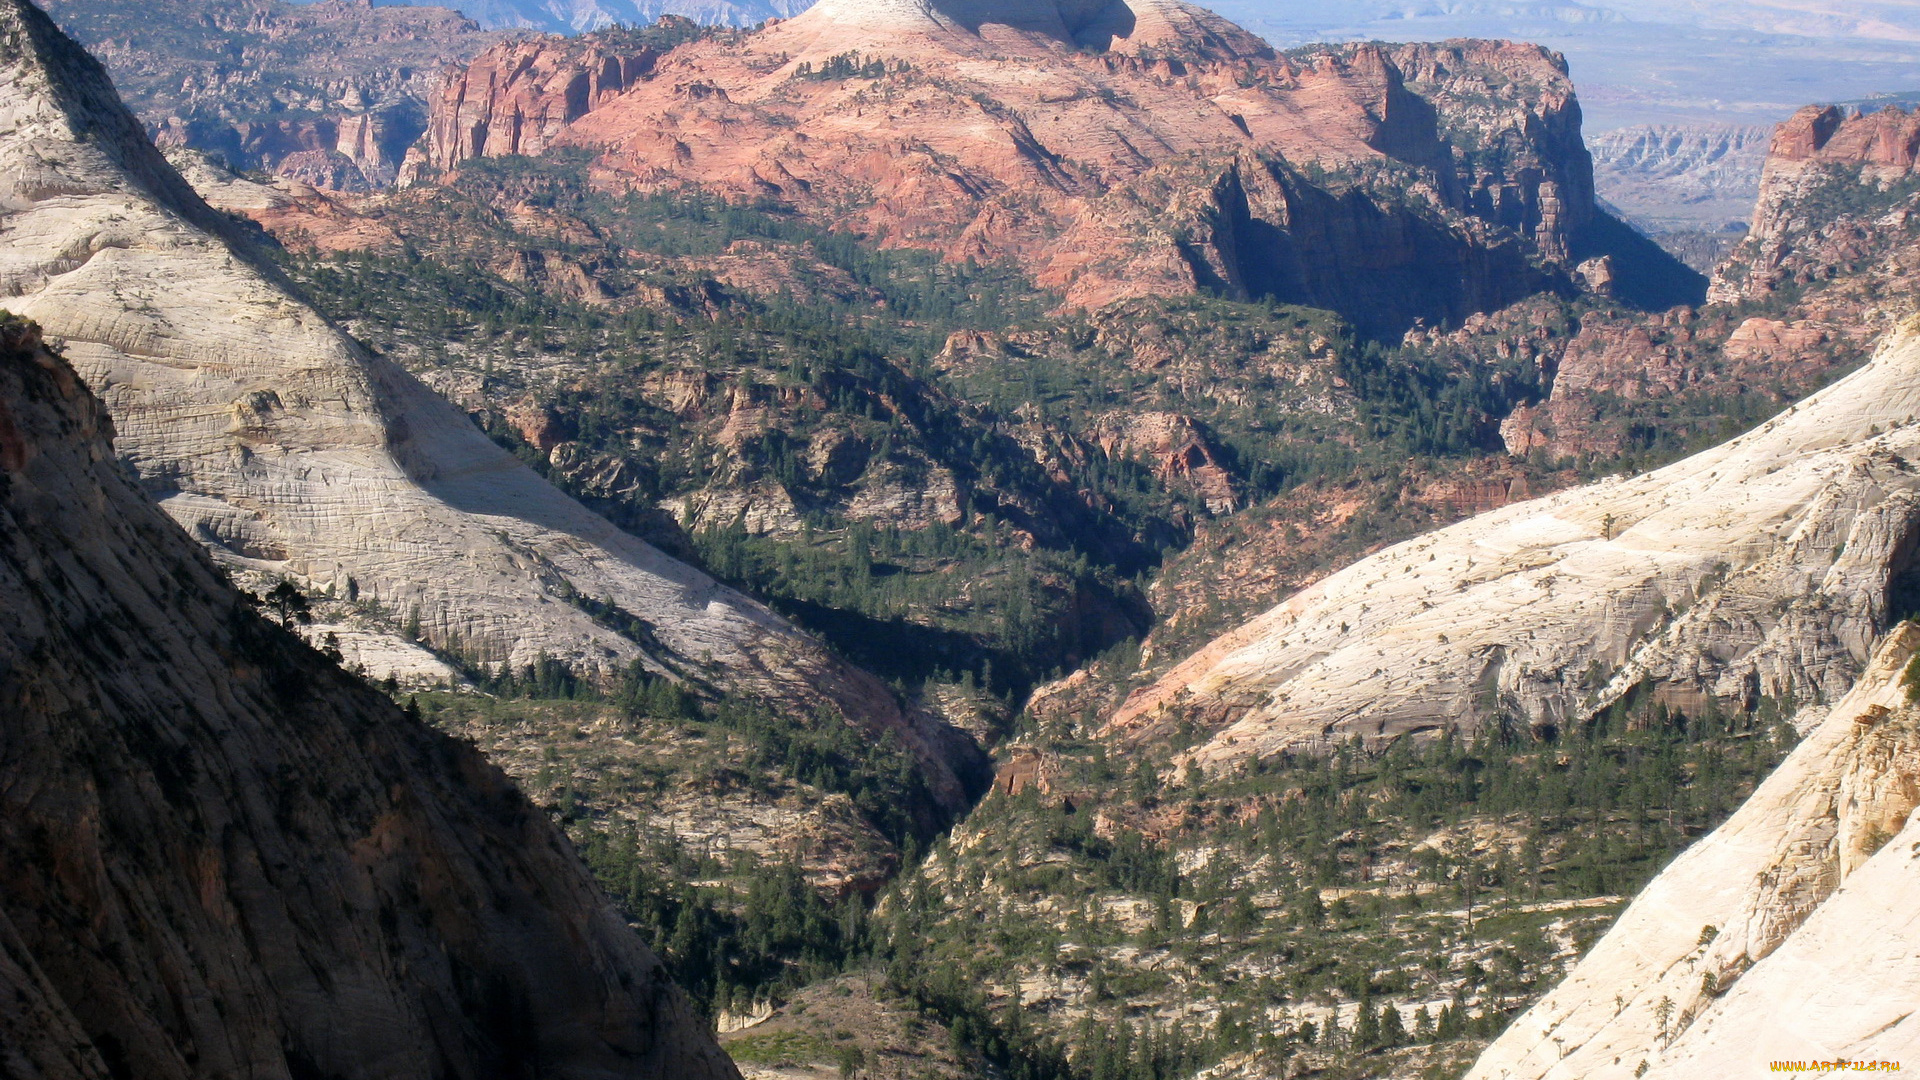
1112	150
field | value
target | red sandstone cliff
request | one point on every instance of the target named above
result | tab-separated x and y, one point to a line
519	98
1837	195
1393	183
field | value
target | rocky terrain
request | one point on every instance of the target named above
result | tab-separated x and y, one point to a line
1172	153
1835	221
1766	566
781	451
1679	178
268	86
295	455
994	345
571	16
1830	264
1250	873
1711	969
225	856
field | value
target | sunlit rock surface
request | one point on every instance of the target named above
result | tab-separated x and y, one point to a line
290	451
1765	566
1788	934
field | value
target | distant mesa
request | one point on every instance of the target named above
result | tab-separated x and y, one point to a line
1113	151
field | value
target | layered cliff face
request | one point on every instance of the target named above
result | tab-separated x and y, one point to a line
290	452
1682	177
519	98
1113	151
1764	567
225	857
572	16
1785	935
268	85
1840	198
1832	261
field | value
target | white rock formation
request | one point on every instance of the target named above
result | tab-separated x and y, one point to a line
1763	566
1791	933
888	27
289	450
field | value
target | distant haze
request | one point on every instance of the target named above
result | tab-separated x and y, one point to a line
1652	61
1636	61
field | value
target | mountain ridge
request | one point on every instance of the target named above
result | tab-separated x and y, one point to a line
225	855
292	452
1186	158
1655	565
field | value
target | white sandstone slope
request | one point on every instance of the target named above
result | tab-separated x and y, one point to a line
286	448
1762	566
1791	933
889	27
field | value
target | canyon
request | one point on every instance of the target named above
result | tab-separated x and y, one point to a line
292	453
1675	177
1019	354
266	85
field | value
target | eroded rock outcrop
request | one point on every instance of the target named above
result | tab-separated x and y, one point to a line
291	452
1832	261
329	93
1788	934
519	98
1766	566
1611	359
1838	196
1677	176
225	857
1179	450
1118	150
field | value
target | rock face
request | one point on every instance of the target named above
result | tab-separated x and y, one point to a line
224	857
290	452
1176	447
1661	357
1727	961
518	99
572	16
1766	566
1838	194
1148	148
1681	176
267	85
1833	259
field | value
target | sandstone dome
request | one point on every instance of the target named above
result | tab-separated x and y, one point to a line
833	27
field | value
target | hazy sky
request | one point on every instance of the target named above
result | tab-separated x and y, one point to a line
1639	60
1633	60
